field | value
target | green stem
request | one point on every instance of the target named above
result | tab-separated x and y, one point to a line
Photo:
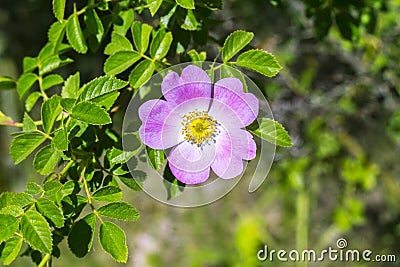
45	97
66	168
44	260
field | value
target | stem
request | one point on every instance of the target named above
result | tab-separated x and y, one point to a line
44	260
89	196
45	97
66	168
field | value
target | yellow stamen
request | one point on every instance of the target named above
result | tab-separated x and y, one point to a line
199	128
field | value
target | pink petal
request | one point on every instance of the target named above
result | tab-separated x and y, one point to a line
230	92
190	177
154	131
194	82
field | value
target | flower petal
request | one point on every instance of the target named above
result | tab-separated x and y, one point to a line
194	82
190	158
190	177
155	132
230	92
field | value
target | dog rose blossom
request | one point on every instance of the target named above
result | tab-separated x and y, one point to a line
202	124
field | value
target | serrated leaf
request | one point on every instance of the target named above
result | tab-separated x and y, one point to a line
75	35
52	63
260	61
235	42
46	160
7	83
29	124
13	210
80	238
116	156
20	199
24	144
113	241
141	35
108	194
31	100
127	17
188	4
67	104
51	109
50	210
156	157
11	250
36	231
69	187
119	211
118	43
90	113
25	82
101	86
273	132
141	73
33	188
56	34
51	80
60	140
52	187
190	22
93	22
106	100
59	9
120	61
29	64
160	45
71	86
8	225
154	6
134	182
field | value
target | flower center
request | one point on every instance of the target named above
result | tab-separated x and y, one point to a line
199	128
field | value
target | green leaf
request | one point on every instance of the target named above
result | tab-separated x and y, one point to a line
20	199
116	156
71	86
8	225
120	61
29	124
29	64
160	45
31	100
33	188
24	144
141	35
101	86
52	63
153	6
11	250
190	22
188	4
52	187
60	140
51	109
113	241
260	61
46	160
231	72
120	211
127	17
67	104
132	183
172	185
90	113
235	42
25	83
156	157
118	43
7	83
59	9
36	231
50	210
106	100
68	188
80	238
141	73
51	80
56	34
13	210
93	22
108	194
273	132
75	35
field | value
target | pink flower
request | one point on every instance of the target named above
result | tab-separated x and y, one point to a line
203	125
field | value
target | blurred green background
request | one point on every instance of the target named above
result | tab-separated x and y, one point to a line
338	95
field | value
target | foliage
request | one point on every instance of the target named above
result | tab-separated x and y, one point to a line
74	143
